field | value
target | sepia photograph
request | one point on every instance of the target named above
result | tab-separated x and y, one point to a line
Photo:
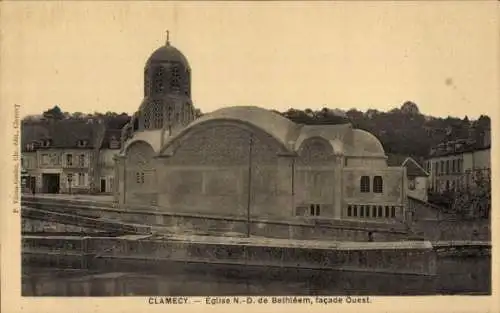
286	152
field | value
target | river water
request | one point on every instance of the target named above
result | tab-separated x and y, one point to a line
456	275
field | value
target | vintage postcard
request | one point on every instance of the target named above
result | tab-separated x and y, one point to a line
325	156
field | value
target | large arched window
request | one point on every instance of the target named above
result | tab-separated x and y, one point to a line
315	150
378	184
364	184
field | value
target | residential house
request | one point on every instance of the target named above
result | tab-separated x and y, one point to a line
60	156
416	176
459	165
110	146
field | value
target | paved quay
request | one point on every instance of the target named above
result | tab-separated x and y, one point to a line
96	198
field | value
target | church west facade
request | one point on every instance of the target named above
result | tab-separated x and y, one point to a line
247	161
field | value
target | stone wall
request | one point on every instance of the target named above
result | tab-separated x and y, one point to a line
402	258
292	227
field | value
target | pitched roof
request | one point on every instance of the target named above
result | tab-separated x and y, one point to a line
63	133
413	168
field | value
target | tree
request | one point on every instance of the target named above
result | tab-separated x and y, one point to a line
410	108
55	113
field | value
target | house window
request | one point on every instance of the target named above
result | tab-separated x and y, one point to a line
81	179
386	211
378	184
411	183
454	166
69	159
314	210
349	210
374	211
82	143
45	159
365	184
442	167
114	143
393	211
447	166
361	210
81	160
139	177
355	210
379	211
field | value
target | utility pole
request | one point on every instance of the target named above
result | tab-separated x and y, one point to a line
249	193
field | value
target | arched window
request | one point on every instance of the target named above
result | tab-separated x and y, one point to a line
364	184
175	79
159	75
378	184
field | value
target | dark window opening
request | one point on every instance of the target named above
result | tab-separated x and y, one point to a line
393	211
349	211
380	211
365	184
355	211
378	184
362	211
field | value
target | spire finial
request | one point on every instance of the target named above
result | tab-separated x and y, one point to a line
168	37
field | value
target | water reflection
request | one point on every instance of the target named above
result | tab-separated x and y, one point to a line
455	276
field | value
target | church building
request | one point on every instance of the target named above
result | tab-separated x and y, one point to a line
247	161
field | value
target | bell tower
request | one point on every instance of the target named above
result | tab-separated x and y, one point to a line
167	103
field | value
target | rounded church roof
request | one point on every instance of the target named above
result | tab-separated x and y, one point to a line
279	127
364	143
168	53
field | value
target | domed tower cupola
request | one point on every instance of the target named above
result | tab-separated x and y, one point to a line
167	91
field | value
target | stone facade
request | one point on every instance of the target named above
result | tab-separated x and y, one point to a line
249	162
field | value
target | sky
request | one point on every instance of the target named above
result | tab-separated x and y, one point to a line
90	56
